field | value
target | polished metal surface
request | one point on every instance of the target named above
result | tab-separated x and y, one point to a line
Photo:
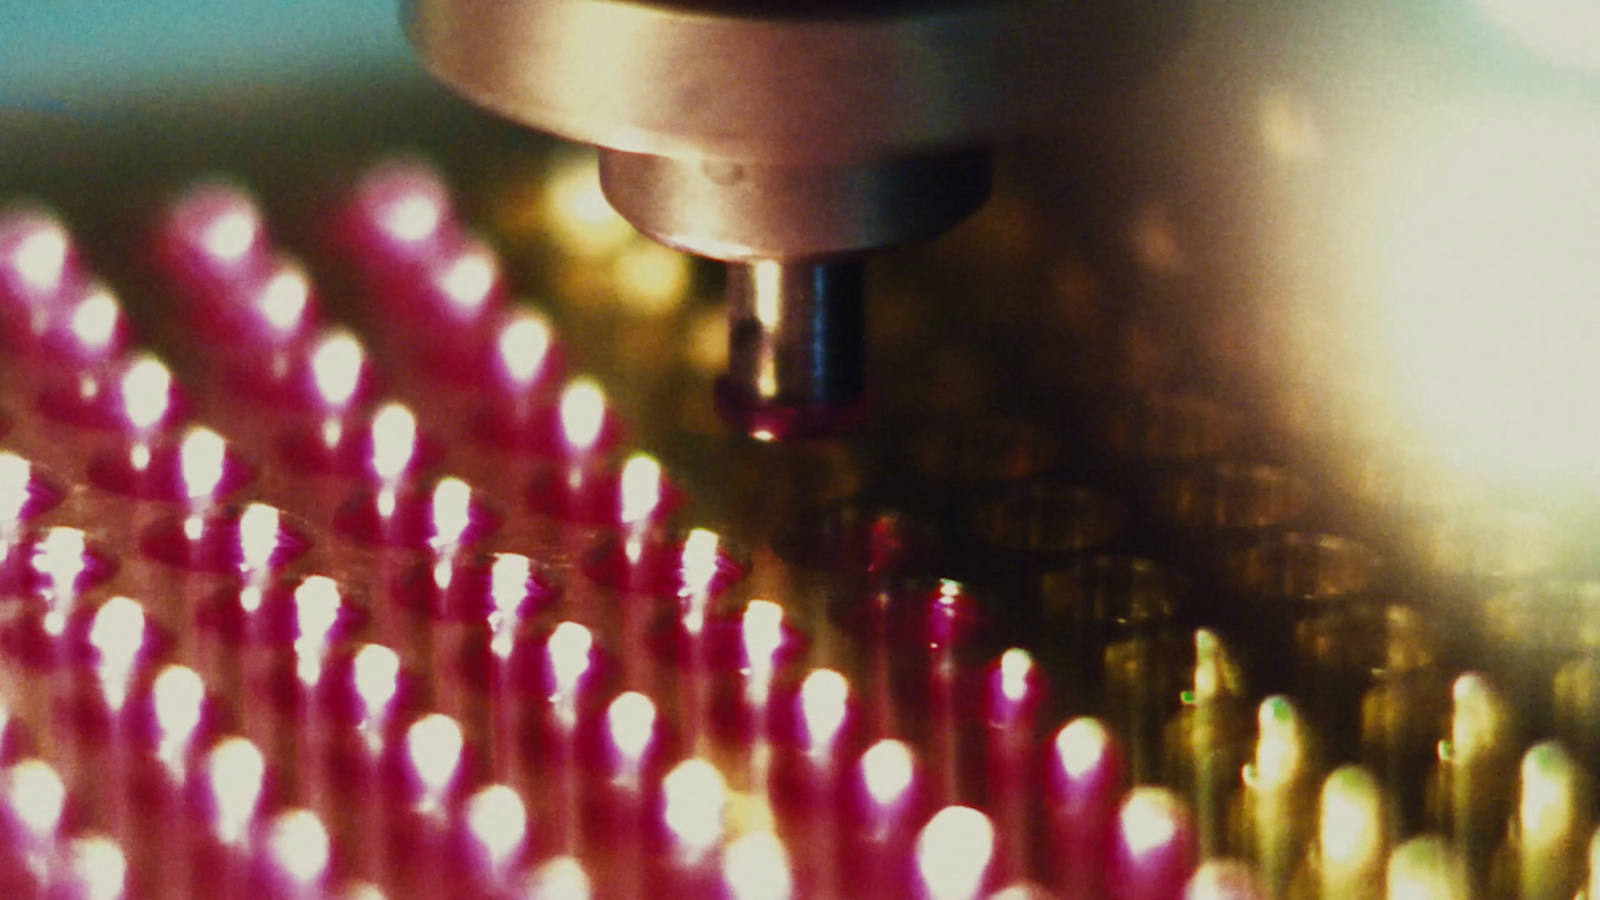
767	132
755	82
795	358
745	211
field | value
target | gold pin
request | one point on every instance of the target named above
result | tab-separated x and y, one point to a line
1351	836
1277	799
1548	837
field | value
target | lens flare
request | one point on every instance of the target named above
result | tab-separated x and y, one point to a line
1487	279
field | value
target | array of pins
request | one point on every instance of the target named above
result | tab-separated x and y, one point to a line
388	610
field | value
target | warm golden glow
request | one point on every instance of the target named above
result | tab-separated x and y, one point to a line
1549	810
99	870
651	280
1280	745
1487	286
1350	824
1478	719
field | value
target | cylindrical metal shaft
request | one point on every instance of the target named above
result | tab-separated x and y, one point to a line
795	348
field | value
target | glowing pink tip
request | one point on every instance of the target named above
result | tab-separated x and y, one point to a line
953	854
93	323
433	749
523	346
219	221
497	822
467	280
824	703
299	848
631	727
35	255
282	301
405	200
888	771
337	363
235	778
96	869
146	390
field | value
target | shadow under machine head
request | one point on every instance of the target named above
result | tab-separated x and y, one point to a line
789	139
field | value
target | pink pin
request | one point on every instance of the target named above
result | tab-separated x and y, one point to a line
631	743
1153	847
394	219
1015	690
84	329
264	314
38	263
1084	778
211	240
954	855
